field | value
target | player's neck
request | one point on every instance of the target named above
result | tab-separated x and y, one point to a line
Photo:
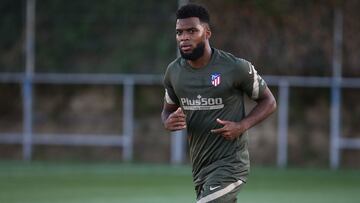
203	60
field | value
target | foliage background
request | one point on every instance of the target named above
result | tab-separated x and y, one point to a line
285	37
280	37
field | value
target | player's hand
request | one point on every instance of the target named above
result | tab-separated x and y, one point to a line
176	120
230	130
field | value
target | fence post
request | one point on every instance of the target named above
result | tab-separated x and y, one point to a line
27	119
335	125
335	134
27	81
177	147
283	124
128	119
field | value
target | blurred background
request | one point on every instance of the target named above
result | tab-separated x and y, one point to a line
82	80
83	51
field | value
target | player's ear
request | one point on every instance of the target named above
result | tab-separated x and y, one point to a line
208	34
207	31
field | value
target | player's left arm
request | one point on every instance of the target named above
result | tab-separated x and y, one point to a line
249	81
265	105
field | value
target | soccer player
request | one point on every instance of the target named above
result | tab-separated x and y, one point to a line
204	93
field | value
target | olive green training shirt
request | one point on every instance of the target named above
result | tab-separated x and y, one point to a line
205	94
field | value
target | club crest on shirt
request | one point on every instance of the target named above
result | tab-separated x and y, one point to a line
215	79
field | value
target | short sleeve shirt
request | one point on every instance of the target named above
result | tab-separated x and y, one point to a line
205	94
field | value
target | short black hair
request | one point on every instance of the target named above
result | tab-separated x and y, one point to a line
193	10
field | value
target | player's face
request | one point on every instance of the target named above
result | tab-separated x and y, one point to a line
191	36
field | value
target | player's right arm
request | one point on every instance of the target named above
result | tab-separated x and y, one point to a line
173	117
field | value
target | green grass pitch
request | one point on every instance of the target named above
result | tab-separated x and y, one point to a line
49	182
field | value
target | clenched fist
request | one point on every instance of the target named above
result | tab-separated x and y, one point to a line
176	120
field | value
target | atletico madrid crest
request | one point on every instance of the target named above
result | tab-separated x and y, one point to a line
215	79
